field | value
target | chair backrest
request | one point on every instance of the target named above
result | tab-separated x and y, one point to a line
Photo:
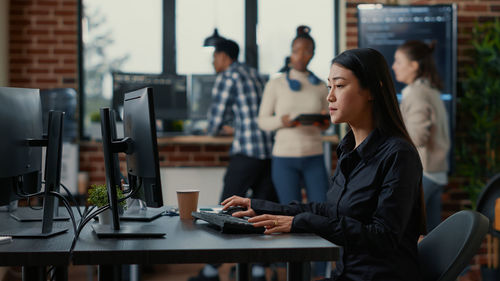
486	200
448	248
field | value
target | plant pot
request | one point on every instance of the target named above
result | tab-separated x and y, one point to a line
106	217
490	274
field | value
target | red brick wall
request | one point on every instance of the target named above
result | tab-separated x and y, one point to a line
43	43
171	155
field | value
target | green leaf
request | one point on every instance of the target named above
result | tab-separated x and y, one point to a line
98	195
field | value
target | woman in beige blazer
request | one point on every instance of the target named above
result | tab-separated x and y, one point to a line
425	118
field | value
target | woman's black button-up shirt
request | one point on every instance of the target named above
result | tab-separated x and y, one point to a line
372	209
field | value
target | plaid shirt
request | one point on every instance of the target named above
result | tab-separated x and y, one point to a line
236	97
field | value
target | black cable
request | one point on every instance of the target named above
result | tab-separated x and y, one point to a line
72	198
134	191
91	216
88	215
20	193
68	207
82	224
86	211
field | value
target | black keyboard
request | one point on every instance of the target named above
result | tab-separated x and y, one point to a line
227	223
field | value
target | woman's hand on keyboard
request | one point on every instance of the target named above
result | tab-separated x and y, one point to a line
239	201
273	223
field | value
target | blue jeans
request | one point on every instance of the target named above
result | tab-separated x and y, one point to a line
432	195
287	173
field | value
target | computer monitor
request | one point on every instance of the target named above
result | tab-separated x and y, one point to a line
142	164
200	87
20	120
140	145
169	92
384	28
21	154
200	95
143	169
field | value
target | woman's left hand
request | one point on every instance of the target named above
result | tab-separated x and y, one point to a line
273	223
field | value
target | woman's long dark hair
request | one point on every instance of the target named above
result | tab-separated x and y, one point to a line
422	53
371	70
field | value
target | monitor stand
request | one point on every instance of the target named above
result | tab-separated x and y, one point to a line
27	214
138	211
110	148
9	208
128	231
33	231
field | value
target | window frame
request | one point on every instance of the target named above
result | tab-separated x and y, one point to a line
169	58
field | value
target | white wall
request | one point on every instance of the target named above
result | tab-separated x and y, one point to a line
206	179
4	42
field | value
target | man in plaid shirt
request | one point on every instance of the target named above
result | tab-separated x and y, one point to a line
236	96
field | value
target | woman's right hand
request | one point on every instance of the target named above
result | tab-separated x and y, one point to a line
239	201
285	120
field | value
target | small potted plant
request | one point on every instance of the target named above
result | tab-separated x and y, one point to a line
98	196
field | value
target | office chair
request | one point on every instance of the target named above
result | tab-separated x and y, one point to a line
486	201
448	248
486	205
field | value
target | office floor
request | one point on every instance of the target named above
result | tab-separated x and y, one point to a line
178	272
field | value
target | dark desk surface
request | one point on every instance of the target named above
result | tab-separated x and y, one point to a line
35	252
197	242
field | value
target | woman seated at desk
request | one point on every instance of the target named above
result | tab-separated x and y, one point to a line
374	208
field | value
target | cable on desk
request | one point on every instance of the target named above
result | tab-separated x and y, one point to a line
72	198
89	214
20	192
68	207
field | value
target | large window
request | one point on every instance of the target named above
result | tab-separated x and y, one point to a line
118	35
127	36
277	24
195	21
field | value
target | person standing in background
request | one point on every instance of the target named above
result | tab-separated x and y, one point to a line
298	150
236	95
425	118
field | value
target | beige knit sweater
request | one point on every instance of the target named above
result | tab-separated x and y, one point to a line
278	100
427	123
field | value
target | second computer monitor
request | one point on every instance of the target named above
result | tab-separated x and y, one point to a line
20	120
142	164
20	164
21	157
